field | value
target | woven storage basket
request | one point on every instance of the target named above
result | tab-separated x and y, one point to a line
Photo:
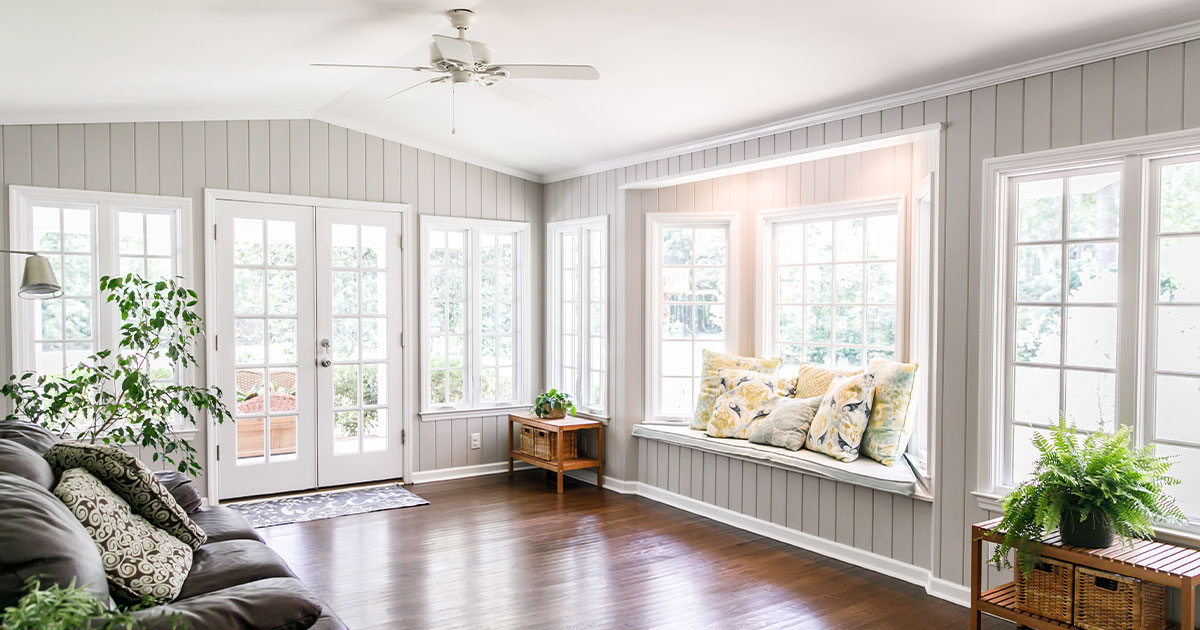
1048	590
526	447
545	444
1107	601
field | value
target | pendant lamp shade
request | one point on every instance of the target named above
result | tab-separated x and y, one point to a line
38	281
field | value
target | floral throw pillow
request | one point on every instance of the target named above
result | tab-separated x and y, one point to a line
787	424
837	428
134	482
710	384
891	423
749	398
140	560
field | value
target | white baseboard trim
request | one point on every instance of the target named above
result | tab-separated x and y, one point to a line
610	483
462	472
890	567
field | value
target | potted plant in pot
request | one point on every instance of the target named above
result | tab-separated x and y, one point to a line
553	405
1092	491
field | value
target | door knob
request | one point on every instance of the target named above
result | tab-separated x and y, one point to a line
325	363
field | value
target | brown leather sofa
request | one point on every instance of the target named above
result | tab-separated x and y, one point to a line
236	581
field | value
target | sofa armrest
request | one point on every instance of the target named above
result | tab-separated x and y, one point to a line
182	488
276	603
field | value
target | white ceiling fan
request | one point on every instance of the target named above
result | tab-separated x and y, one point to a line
458	60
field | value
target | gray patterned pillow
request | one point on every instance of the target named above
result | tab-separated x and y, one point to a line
140	560
134	482
787	424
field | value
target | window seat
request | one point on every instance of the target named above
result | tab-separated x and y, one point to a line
898	479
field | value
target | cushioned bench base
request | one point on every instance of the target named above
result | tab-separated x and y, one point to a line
898	479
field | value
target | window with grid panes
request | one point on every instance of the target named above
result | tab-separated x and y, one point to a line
578	312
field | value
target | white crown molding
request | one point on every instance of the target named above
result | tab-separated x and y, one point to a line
433	147
1069	59
153	115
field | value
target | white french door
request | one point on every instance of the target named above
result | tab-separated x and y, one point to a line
307	353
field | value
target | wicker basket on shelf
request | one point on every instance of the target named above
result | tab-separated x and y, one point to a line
1107	601
543	444
1048	590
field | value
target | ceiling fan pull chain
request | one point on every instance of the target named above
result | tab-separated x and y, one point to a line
453	109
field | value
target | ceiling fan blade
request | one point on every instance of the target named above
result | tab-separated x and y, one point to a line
369	65
517	93
548	71
456	50
417	85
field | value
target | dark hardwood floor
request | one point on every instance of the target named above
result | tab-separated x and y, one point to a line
494	553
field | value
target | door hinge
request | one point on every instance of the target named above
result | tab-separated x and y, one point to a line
214	231
401	339
216	343
218	452
401	241
403	436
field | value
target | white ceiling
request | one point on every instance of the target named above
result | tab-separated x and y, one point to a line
671	70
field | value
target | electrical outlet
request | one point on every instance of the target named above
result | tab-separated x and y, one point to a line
474	441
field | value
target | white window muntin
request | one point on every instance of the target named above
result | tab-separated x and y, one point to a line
656	223
589	328
473	230
104	210
768	285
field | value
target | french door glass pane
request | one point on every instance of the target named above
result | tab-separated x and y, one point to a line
1175	399
1179	338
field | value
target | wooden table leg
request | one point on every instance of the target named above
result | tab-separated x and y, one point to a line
510	446
600	456
559	458
1187	604
976	581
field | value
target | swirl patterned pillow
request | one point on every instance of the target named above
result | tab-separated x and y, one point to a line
710	380
749	398
891	423
787	424
133	482
837	429
140	560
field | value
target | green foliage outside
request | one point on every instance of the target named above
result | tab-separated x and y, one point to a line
112	397
1098	477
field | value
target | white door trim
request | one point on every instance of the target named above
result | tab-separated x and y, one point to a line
408	314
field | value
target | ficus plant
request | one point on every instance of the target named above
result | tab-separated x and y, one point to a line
1098	477
69	607
128	395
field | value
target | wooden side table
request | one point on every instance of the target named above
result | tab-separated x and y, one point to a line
1148	560
559	464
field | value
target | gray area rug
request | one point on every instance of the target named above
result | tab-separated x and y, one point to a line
313	507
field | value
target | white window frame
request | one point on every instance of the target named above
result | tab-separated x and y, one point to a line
915	277
554	323
656	222
472	406
1137	158
105	255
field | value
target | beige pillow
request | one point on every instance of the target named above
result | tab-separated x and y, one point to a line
814	380
140	560
749	398
710	381
837	429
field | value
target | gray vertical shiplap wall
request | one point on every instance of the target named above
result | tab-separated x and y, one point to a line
884	523
1132	95
297	157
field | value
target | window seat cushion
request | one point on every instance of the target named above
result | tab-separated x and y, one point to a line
898	479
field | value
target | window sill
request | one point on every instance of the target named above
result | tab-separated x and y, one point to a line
474	412
990	502
897	479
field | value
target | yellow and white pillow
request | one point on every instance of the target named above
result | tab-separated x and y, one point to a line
837	429
891	422
710	381
749	398
814	380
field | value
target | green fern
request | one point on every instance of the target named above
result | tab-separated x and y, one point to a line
1100	477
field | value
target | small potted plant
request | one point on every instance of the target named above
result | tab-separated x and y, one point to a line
1092	491
553	405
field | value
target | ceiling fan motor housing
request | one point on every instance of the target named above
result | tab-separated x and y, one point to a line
481	51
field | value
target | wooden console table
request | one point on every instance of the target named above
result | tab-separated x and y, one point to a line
559	464
1147	560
